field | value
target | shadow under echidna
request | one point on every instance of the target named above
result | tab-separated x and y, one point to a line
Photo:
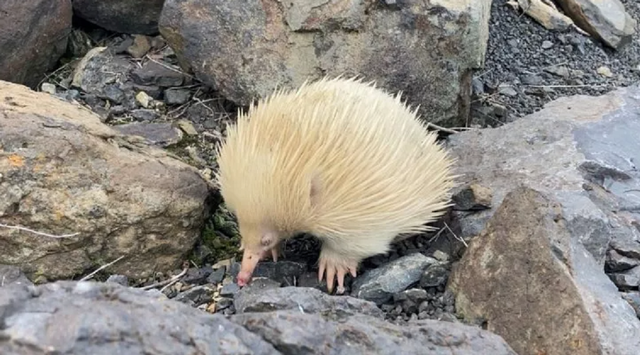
338	159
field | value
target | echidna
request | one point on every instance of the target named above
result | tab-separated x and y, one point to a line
339	159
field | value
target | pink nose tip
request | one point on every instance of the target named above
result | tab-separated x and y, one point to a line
243	278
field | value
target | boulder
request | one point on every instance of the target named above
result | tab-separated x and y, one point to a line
245	50
295	332
606	20
123	16
33	36
76	194
529	280
106	318
581	150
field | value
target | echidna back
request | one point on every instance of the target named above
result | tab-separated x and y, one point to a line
337	157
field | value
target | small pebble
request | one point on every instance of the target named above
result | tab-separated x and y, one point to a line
187	127
48	88
547	44
119	279
605	71
143	99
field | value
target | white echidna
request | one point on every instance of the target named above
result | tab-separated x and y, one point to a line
339	159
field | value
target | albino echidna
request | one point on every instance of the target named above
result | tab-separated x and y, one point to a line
339	159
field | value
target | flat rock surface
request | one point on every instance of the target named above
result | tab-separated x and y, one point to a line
297	333
303	299
104	319
581	150
33	36
526	271
247	49
63	172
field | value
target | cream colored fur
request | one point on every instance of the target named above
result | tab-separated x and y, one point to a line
338	158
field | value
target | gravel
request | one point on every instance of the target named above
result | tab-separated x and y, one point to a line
528	66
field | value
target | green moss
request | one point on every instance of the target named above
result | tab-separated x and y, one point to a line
220	238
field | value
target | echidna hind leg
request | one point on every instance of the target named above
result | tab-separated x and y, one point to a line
336	266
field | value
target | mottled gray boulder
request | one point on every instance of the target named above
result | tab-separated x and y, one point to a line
79	318
124	16
63	172
531	281
33	36
303	299
606	20
246	49
296	333
380	284
581	150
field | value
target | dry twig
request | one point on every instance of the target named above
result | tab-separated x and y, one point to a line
100	269
167	282
24	229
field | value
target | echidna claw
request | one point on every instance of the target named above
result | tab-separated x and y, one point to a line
336	268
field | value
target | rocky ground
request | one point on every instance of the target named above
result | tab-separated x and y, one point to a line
526	67
135	85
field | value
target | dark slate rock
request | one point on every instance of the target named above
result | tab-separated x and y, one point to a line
153	73
616	262
176	96
380	284
434	275
217	275
124	16
162	134
195	296
229	290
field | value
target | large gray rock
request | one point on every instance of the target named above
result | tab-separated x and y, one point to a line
606	20
63	172
426	49
78	318
581	150
124	16
296	333
533	283
33	36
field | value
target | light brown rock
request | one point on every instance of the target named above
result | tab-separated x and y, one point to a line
33	36
63	172
426	49
606	20
547	16
538	288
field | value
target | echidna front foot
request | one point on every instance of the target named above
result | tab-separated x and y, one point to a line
336	267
